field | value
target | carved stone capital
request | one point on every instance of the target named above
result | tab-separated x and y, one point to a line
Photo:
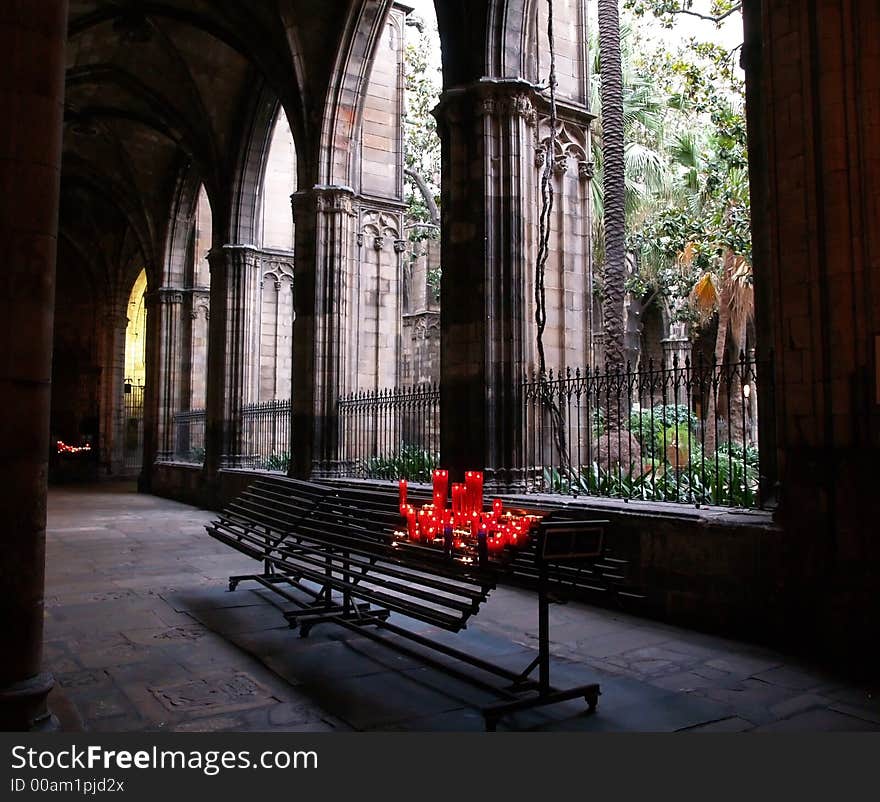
504	103
399	245
322	199
586	170
378	243
488	97
164	296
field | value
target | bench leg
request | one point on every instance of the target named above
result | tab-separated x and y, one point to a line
589	693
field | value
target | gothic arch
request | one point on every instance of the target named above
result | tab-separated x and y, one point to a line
351	73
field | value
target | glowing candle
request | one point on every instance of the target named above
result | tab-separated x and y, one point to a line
411	523
474	484
441	486
497	508
457	494
402	492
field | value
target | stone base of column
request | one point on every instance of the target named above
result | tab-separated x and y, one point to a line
23	706
335	469
502	481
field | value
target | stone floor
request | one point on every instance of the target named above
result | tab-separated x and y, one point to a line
142	636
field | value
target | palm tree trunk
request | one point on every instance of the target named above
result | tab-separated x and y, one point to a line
614	188
622	451
710	440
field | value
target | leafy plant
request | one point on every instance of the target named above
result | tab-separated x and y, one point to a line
729	477
655	428
277	462
411	462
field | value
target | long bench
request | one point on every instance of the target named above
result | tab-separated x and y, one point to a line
331	553
322	541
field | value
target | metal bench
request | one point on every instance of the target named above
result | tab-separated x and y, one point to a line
335	546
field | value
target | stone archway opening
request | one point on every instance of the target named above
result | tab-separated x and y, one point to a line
134	376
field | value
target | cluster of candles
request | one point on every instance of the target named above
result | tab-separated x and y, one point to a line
63	448
464	529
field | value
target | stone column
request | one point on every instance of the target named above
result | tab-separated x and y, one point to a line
324	218
677	347
488	161
32	41
813	99
163	380
112	361
234	285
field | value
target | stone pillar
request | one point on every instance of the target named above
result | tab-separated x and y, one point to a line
488	162
372	329
163	380
112	362
235	284
677	347
32	41
568	275
813	94
324	218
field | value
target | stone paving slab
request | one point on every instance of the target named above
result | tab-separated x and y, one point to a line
143	635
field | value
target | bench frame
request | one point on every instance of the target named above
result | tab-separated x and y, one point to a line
356	610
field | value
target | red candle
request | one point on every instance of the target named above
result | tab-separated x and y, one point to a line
441	487
474	484
497	508
402	492
411	523
457	491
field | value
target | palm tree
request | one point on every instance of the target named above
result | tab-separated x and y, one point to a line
613	188
622	451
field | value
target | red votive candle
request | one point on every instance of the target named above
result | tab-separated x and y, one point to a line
457	492
497	508
402	492
411	523
474	484
441	487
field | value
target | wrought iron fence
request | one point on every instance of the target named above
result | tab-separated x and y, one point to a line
264	432
685	433
265	436
390	434
189	436
133	425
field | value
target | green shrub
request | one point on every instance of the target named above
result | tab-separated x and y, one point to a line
411	462
277	462
730	480
651	428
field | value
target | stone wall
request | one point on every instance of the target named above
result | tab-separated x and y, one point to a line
814	144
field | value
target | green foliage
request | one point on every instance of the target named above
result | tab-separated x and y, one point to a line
411	462
277	462
656	428
197	455
667	11
435	277
421	140
727	482
687	161
728	477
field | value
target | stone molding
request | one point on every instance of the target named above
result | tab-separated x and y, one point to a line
324	199
511	98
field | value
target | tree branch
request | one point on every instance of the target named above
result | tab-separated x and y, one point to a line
433	212
708	17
